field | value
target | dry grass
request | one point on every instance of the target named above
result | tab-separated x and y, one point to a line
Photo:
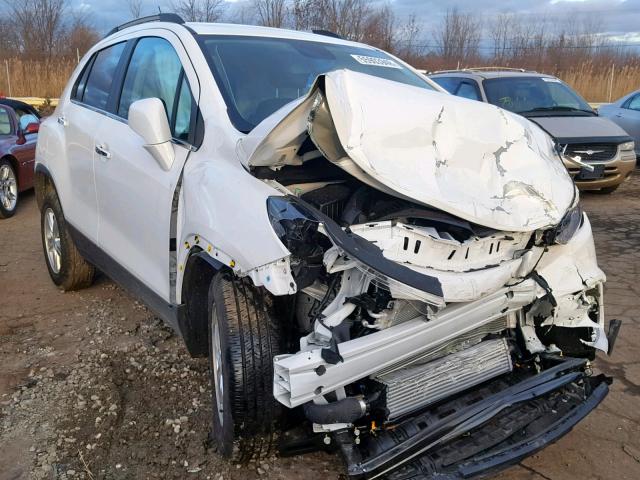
35	78
594	84
48	79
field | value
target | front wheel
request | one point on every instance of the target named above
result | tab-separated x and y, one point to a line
66	266
8	189
243	339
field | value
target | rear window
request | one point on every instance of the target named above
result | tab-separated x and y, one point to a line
5	122
258	75
98	84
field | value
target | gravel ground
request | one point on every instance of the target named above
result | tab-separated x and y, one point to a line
93	386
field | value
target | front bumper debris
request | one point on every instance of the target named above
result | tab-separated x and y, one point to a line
482	431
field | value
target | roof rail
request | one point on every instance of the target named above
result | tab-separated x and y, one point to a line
484	69
160	17
327	33
506	69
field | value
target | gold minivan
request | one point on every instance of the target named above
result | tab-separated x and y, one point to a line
598	153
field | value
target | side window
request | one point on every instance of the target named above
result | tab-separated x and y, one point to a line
81	83
154	71
5	122
181	122
98	86
450	84
634	103
468	90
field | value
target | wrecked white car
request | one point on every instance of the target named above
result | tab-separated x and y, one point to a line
371	265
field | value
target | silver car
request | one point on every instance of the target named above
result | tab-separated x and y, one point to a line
626	113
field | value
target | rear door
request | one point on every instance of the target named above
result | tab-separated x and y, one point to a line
25	149
80	117
628	117
135	195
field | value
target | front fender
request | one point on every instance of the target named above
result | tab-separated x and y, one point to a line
223	210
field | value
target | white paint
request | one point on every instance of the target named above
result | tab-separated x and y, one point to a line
471	159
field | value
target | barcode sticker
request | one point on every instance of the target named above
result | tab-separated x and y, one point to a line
376	61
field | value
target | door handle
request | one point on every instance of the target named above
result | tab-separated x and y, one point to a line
619	115
63	121
102	150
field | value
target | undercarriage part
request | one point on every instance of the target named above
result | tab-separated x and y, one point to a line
296	380
483	430
612	334
412	388
347	410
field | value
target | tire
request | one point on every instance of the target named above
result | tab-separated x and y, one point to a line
67	268
8	189
608	190
243	339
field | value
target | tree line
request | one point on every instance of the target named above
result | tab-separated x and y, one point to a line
46	30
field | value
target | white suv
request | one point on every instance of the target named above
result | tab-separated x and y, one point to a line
409	274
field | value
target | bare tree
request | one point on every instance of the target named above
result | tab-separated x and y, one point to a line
39	24
458	37
9	39
199	10
135	8
271	13
407	38
78	37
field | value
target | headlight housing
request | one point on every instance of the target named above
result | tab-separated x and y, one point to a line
566	229
627	146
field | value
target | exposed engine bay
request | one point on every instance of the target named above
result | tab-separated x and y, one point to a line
401	306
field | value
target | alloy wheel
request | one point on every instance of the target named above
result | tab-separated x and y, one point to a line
8	188
52	240
216	365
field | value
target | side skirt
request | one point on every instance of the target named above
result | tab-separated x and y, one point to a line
171	313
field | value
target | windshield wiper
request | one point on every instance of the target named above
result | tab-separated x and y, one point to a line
559	108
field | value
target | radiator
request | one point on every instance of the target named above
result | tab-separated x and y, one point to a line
417	386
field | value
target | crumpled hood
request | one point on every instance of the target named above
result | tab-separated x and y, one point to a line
467	158
582	129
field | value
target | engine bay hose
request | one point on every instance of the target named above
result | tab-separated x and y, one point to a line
347	410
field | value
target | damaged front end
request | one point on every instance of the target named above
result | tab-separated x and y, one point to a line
443	277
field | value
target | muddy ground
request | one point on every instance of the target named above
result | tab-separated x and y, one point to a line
93	386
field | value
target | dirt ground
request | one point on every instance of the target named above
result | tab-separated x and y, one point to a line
93	386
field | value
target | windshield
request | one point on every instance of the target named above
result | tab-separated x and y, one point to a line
527	94
258	75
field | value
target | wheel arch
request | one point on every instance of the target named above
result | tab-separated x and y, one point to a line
199	271
42	183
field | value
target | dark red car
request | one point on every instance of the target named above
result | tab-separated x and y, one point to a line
19	125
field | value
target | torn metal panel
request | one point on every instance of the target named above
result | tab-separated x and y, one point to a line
275	277
501	172
572	267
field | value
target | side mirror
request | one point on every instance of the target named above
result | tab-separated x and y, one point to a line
32	128
148	119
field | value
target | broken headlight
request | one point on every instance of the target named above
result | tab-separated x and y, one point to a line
297	229
566	229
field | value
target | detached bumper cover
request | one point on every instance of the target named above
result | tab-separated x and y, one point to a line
484	430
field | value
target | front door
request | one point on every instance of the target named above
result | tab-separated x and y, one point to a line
135	195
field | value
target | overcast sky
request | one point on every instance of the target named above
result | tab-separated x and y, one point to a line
620	18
